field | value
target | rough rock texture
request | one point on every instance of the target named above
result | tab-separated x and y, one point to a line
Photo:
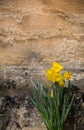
33	33
36	32
18	113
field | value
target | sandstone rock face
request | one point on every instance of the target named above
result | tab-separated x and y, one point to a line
37	32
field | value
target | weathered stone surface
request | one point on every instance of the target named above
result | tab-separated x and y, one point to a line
41	31
27	25
17	112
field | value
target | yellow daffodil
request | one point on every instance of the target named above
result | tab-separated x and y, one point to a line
58	77
67	75
53	75
57	66
50	75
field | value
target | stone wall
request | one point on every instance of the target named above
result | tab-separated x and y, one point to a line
36	32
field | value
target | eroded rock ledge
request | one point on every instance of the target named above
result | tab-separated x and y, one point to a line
17	112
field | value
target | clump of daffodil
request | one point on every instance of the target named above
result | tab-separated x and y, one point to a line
54	103
54	74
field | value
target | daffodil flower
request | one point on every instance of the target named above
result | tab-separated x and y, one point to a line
57	66
67	75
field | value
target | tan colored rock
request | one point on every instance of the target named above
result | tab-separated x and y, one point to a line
36	128
37	32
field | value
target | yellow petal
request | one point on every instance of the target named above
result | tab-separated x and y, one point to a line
57	66
67	75
61	83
